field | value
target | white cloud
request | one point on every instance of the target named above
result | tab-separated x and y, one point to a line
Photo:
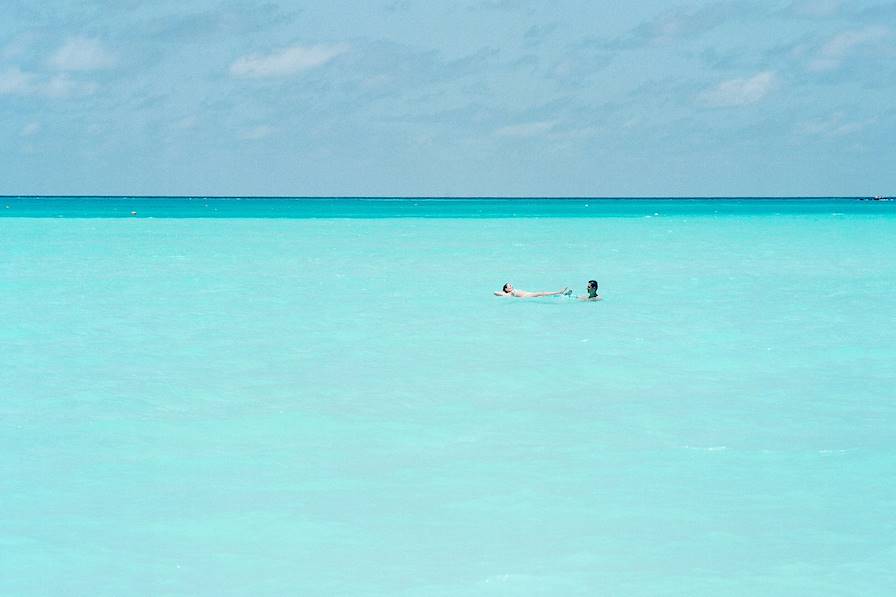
15	81
838	48
82	54
30	129
738	92
526	129
584	132
64	86
187	122
258	132
835	125
287	61
815	8
683	23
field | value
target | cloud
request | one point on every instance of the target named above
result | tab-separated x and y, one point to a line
64	86
815	8
14	81
398	6
287	61
838	48
82	54
536	34
30	129
187	122
256	133
500	5
186	25
413	78
738	92
835	126
681	23
526	129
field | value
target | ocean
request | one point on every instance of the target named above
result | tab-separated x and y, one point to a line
222	396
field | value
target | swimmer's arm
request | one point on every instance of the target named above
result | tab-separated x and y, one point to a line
501	293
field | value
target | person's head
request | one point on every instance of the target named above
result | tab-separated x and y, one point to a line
592	288
508	287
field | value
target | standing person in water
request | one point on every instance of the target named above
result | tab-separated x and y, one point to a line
509	290
592	292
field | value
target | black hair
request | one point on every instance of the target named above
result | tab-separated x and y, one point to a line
592	288
504	288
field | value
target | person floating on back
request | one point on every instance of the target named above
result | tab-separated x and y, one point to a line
509	290
592	292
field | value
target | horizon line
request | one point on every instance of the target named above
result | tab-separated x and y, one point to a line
446	197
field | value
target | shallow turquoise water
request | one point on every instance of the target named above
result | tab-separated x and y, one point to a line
321	406
428	207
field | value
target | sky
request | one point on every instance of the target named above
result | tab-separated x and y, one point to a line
462	98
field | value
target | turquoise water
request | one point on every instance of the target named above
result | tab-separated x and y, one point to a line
324	398
376	208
